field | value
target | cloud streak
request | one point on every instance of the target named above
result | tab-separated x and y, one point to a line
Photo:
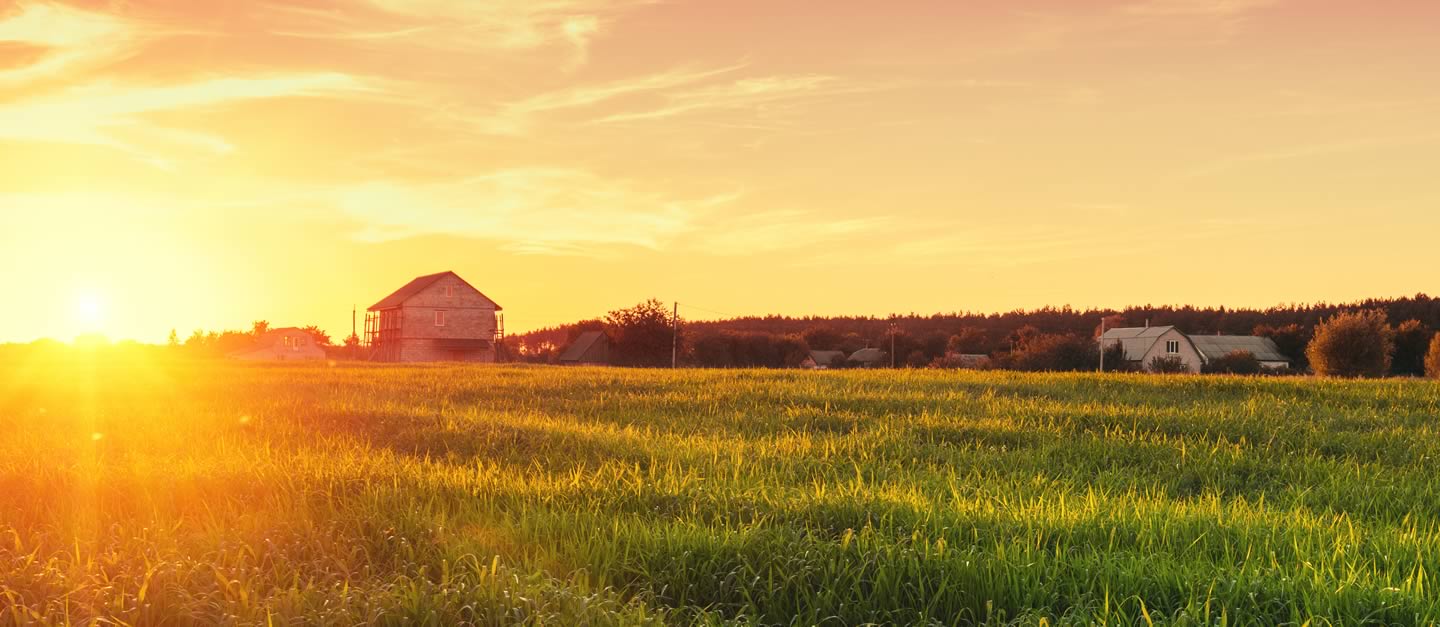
533	210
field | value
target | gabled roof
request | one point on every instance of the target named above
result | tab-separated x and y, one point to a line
1213	346
577	349
1134	332
867	356
417	285
1136	340
825	358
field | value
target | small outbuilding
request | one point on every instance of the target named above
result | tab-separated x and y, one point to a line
822	360
590	348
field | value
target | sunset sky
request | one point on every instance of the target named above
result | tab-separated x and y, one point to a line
184	164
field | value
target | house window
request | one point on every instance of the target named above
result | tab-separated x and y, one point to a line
440	318
449	291
1172	347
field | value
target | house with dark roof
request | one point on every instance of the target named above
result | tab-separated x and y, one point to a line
436	317
1143	344
590	348
868	358
822	360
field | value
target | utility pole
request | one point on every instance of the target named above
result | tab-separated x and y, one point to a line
892	345
675	336
1102	345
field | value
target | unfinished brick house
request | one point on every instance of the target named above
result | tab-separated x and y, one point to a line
436	317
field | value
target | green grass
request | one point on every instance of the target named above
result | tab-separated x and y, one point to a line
232	494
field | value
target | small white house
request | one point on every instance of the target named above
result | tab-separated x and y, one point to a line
284	344
1143	344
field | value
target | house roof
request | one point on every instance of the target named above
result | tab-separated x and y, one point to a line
867	356
1136	340
417	285
1213	346
825	358
577	349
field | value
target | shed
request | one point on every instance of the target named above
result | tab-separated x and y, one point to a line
591	347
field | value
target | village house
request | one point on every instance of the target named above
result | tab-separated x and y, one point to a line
590	348
284	344
436	317
1143	344
868	358
822	360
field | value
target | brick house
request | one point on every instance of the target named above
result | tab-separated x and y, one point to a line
436	317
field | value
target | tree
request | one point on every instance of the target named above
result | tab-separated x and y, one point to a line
321	337
968	341
259	327
174	339
1116	360
1053	352
1412	338
1234	362
1353	344
823	338
1432	358
641	335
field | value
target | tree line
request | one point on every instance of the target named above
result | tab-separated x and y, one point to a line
1047	339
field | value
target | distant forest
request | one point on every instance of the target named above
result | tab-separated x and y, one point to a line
921	339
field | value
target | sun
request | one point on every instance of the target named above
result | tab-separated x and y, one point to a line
89	311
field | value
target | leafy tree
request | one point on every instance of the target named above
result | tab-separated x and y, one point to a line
1162	364
640	336
823	338
1432	358
1234	362
1412	338
1353	344
1053	352
320	337
259	327
174	339
1116	360
968	341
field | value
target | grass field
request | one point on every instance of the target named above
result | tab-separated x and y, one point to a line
179	493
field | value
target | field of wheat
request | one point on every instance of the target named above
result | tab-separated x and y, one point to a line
155	492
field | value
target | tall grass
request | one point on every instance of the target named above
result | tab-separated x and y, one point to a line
153	492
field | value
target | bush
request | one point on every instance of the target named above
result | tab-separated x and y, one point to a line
1234	362
1432	358
1168	365
1044	352
1352	344
1412	337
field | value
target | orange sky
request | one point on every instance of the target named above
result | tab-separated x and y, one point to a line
183	164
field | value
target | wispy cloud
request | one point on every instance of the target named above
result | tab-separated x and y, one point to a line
781	230
537	210
742	94
462	25
1171	8
68	39
1323	149
112	114
516	117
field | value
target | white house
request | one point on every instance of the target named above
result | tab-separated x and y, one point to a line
1143	344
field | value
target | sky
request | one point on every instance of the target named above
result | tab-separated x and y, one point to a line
172	164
